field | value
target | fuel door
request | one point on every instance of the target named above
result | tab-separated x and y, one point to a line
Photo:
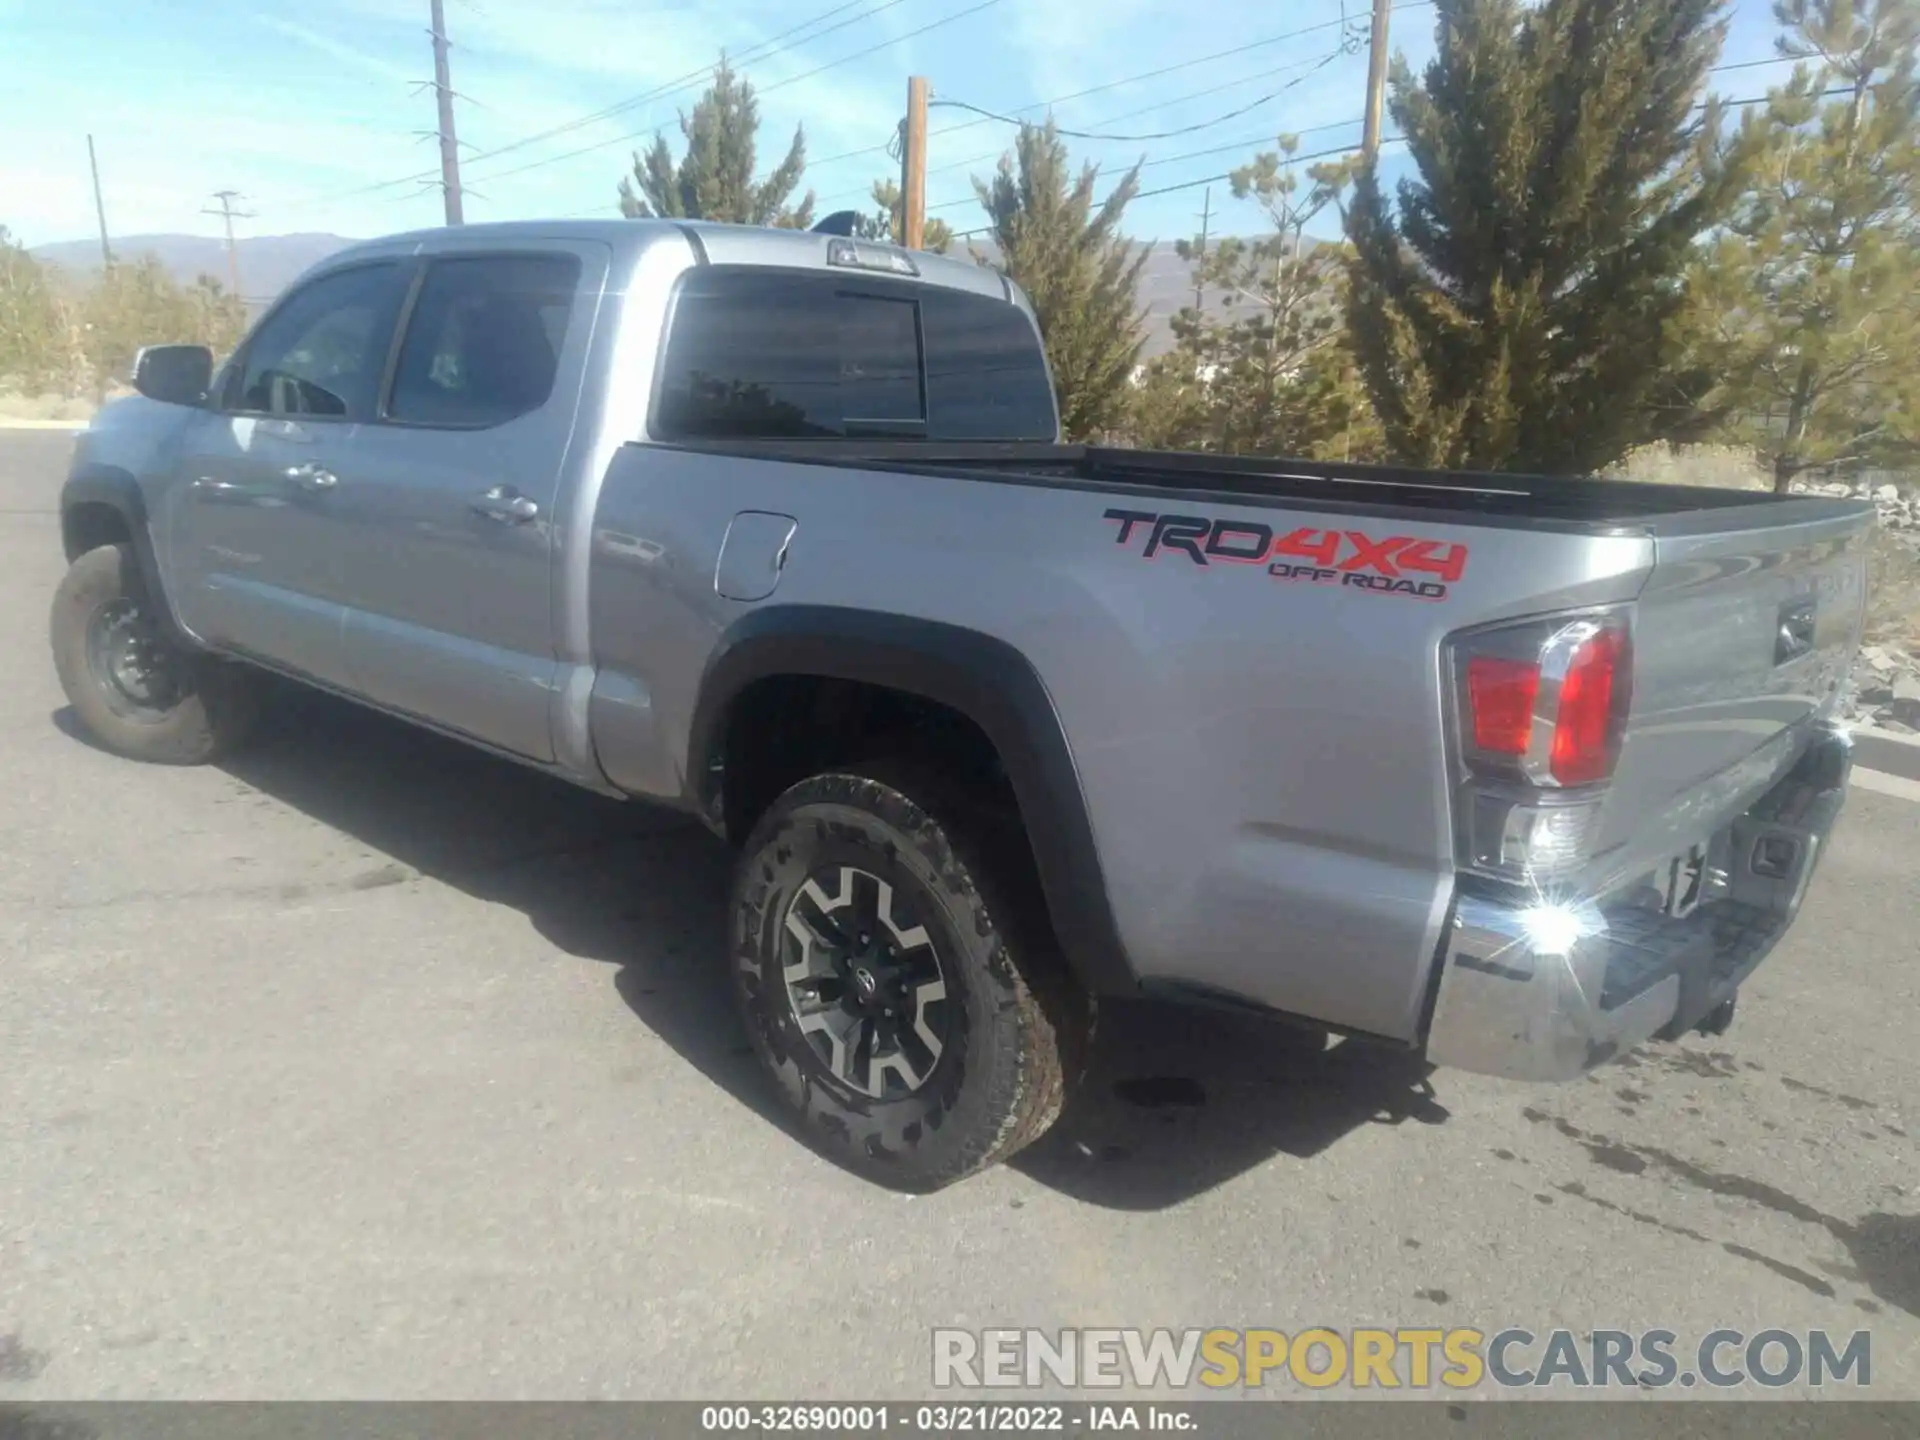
752	555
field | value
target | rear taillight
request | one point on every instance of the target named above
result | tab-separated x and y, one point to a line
1541	708
1545	702
1500	700
1587	722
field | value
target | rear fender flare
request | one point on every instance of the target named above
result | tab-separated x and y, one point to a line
983	678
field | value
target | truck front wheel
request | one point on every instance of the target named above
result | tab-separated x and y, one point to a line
898	978
134	691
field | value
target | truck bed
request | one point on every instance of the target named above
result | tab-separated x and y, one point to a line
1597	506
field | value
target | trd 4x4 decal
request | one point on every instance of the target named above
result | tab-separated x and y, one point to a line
1386	565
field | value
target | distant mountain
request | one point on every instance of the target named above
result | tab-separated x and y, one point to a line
270	263
1166	284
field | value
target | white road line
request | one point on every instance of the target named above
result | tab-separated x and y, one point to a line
1897	785
1895	737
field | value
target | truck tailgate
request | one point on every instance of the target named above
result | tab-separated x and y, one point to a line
1742	639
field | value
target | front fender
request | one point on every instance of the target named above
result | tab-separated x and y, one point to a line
103	504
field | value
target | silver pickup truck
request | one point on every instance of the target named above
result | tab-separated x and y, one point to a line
775	527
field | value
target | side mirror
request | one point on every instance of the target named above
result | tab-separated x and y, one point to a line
177	374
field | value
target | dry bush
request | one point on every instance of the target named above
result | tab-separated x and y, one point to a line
1893	591
1724	467
1893	566
43	407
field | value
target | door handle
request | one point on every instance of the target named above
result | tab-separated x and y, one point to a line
311	476
506	505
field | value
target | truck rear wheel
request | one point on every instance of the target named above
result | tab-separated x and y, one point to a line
899	979
134	691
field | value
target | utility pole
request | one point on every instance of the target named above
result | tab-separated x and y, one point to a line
1376	79
1206	219
914	170
443	94
227	213
99	205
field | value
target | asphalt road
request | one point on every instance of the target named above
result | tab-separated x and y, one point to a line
365	1066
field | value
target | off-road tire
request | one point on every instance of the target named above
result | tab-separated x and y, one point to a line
214	704
1019	1027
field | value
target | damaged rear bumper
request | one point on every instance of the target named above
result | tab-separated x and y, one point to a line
1531	990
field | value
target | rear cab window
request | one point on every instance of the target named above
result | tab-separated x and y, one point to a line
759	353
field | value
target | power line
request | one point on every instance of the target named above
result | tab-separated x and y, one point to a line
1248	142
951	165
1182	65
768	90
1231	145
1326	154
694	77
1217	179
1387	140
1252	140
1125	80
990	116
1318	66
876	49
1752	64
772	46
765	49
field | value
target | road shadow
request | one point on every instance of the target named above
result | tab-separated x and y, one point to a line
1176	1101
1179	1100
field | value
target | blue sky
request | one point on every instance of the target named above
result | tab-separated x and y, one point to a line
302	109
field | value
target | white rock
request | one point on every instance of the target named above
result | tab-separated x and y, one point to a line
1906	687
1887	492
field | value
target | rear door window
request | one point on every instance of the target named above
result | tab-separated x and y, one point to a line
483	341
770	354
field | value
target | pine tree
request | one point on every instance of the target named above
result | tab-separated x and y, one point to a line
714	179
1269	370
1517	309
1171	407
1081	274
1812	293
889	221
